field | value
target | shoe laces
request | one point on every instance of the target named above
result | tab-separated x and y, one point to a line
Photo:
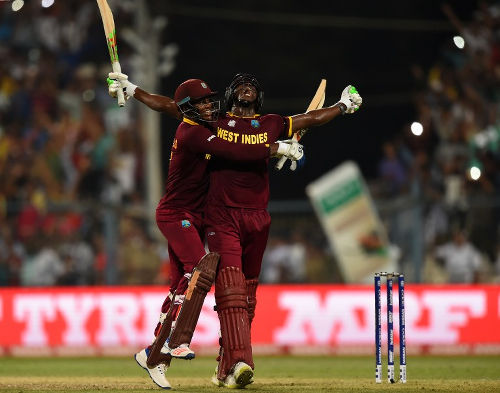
161	369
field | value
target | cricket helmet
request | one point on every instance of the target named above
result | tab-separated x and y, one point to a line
189	93
238	80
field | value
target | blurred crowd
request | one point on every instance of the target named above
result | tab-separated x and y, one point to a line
66	156
64	153
452	163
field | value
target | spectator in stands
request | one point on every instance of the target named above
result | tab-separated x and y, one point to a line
461	259
138	258
43	266
285	261
391	171
76	252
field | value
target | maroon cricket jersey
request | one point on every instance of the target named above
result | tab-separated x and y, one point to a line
187	182
245	184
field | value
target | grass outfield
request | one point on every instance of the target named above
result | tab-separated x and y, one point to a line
273	374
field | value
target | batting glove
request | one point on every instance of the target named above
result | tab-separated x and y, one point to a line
117	80
114	86
298	164
351	99
292	150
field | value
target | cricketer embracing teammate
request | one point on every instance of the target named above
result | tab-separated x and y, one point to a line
235	217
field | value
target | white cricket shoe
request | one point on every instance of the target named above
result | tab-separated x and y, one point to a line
241	376
157	373
181	352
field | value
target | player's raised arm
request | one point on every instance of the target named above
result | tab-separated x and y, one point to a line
159	103
201	140
349	102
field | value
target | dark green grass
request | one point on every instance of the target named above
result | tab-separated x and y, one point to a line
273	374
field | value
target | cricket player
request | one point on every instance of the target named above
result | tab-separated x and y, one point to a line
179	213
236	217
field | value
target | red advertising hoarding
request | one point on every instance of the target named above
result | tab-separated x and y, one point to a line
331	317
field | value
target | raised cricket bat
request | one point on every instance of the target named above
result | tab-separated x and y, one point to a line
316	103
110	33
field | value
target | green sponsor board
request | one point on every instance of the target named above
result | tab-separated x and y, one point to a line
350	222
340	195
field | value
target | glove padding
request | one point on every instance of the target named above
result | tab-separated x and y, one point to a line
351	99
114	86
292	150
116	80
298	164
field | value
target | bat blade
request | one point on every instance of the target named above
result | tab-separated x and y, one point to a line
110	34
319	97
316	103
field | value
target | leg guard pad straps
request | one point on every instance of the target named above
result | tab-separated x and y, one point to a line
251	298
155	356
164	310
200	283
232	308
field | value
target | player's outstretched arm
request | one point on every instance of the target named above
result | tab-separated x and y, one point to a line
158	103
201	140
154	101
349	102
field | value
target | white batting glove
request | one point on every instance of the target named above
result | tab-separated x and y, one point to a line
351	99
117	79
113	87
298	164
292	150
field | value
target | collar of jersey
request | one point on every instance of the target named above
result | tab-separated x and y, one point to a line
189	121
243	117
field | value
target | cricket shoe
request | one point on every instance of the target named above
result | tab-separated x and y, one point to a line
157	373
216	381
241	376
181	352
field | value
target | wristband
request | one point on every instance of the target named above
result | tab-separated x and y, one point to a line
342	107
131	89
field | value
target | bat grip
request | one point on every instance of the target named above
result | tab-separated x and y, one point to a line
119	94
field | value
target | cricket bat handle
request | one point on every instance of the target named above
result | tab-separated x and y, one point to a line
280	163
119	94
316	103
